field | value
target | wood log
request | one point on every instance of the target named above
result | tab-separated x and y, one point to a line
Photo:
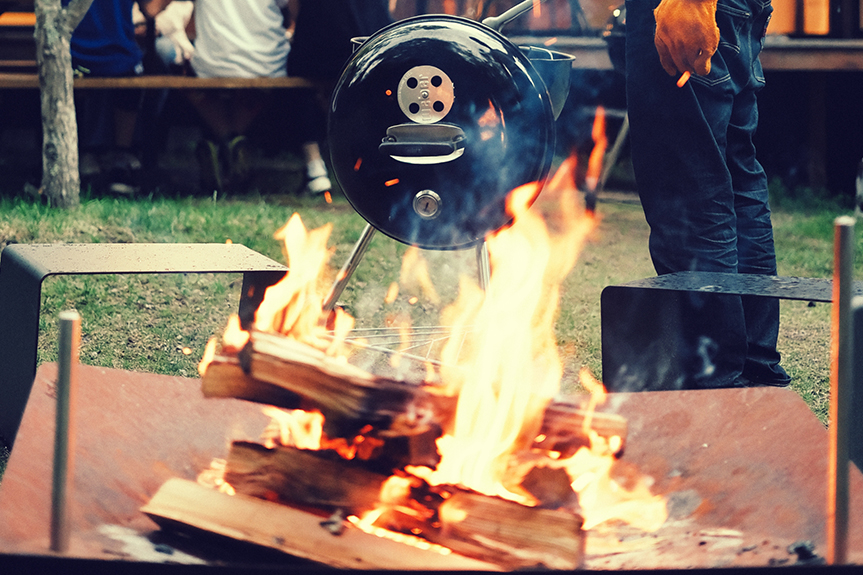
348	396
186	506
226	379
475	525
514	535
563	428
275	370
319	479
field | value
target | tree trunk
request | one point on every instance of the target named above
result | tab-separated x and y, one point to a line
54	26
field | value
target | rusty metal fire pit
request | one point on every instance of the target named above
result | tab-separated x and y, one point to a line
743	470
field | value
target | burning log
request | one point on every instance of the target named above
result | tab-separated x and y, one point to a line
566	427
276	370
186	506
493	529
309	478
471	524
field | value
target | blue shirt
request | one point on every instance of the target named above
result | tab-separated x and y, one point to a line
104	42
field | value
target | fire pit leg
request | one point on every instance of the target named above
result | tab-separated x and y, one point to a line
64	432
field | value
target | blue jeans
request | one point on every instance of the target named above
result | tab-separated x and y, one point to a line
703	191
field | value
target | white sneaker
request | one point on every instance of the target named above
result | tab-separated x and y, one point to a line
318	185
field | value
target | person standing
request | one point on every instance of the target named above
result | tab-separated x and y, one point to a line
703	191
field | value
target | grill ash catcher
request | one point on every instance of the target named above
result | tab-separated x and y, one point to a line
433	122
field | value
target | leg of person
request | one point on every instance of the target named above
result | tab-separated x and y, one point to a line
677	144
245	107
213	113
123	165
755	232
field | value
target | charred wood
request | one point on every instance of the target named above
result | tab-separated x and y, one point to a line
187	507
321	479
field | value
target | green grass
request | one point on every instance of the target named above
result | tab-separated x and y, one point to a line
160	323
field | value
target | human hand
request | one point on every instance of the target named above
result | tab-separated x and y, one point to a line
171	23
183	48
686	35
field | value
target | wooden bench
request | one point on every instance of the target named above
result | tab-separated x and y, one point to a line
157	82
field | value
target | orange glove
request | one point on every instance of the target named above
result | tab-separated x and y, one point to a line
686	35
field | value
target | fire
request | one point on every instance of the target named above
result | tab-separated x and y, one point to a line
507	372
414	276
600	143
305	430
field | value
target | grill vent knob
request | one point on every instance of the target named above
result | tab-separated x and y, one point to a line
427	204
425	94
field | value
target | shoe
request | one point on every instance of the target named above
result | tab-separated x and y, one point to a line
772	375
88	166
209	167
319	185
317	178
237	159
125	172
743	381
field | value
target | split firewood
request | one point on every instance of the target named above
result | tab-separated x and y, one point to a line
276	370
524	537
475	525
185	506
564	428
349	397
319	479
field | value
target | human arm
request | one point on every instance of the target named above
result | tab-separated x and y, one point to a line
686	35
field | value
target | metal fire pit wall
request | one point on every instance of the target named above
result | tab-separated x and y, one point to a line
744	471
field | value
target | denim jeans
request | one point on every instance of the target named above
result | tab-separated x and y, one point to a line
703	191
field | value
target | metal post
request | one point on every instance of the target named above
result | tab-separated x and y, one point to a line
841	380
64	433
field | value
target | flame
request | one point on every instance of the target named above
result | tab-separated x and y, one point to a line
602	498
391	183
368	526
214	477
392	293
550	41
537	8
305	430
297	428
293	306
414	275
508	370
600	143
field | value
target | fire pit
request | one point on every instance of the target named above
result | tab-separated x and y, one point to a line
743	470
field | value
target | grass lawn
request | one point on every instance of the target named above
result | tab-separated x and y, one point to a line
160	323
